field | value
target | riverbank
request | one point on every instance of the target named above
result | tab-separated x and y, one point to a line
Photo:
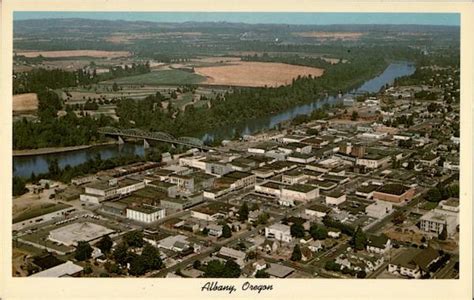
40	151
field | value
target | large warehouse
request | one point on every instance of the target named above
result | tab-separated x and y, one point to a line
82	231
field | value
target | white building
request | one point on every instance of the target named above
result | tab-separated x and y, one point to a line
317	211
335	198
198	162
379	209
372	162
145	213
300	192
435	220
215	230
280	232
451	165
374	135
67	269
270	188
103	190
378	244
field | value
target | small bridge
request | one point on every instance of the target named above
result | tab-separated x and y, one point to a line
154	136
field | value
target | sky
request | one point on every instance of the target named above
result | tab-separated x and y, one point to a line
450	19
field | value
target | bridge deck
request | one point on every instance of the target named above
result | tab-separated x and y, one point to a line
156	136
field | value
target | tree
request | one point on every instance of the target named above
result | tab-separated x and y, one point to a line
398	218
218	269
254	207
105	244
359	240
262	274
115	87
214	269
443	235
231	269
361	274
152	257
53	168
120	254
434	195
87	269
138	265
134	238
19	186
83	251
318	232
331	265
296	255
197	264
226	232
297	230
354	116
262	218
243	212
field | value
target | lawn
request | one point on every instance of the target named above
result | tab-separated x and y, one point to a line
39	211
160	77
429	205
182	100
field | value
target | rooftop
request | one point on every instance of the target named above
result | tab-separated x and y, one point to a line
280	227
336	194
273	185
394	189
279	271
406	258
238	175
213	208
302	188
367	188
146	209
378	241
66	269
319	207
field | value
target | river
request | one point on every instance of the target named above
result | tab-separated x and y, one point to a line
25	165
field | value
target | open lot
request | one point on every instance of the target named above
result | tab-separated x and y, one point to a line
25	102
255	74
74	53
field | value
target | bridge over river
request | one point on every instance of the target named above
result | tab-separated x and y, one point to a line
154	136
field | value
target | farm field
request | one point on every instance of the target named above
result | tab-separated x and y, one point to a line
25	102
74	53
255	74
330	35
159	78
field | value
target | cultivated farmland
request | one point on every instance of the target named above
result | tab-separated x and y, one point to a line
255	74
74	53
25	102
160	78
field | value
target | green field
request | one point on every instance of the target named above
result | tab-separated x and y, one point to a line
36	212
160	77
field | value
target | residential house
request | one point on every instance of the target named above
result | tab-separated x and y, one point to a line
379	244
